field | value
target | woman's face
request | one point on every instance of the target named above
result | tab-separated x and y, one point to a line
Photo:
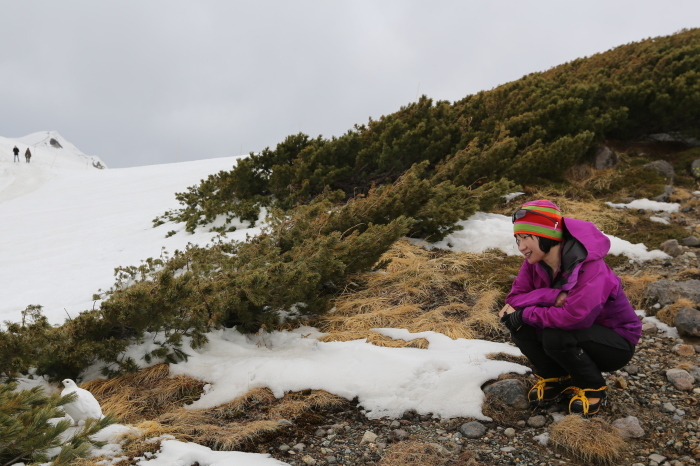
529	246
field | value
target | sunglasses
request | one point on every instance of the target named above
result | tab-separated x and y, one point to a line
520	213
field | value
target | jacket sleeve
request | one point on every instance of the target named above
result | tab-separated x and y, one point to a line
523	292
583	304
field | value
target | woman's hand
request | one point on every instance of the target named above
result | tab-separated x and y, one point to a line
507	309
561	298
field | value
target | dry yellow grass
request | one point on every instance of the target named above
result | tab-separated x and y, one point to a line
634	287
420	291
573	434
144	395
419	454
667	315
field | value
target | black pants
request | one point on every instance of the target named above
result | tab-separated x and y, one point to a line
582	354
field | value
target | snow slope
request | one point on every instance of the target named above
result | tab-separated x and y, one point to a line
66	224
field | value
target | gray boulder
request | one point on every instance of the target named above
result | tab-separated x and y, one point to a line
605	158
667	292
674	136
687	321
692	241
661	167
510	391
672	248
695	168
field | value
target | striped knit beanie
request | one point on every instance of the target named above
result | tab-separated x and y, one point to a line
543	218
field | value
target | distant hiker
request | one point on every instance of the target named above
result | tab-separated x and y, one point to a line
16	151
27	155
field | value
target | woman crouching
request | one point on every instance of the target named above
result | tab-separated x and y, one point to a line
566	310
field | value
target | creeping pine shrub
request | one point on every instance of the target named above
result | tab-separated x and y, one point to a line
303	255
27	435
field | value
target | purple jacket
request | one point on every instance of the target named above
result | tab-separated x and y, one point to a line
595	294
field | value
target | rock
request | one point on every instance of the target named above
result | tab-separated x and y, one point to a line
473	429
285	422
450	425
667	292
510	391
283	447
308	460
508	449
666	196
605	158
537	421
692	241
320	433
369	437
695	168
680	379
543	438
440	449
631	369
648	327
661	167
674	136
684	350
397	435
557	418
629	427
331	459
299	447
668	407
397	424
687	321
509	432
672	248
656	458
695	372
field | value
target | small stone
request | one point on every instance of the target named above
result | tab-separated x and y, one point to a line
330	459
631	369
395	424
283	447
508	449
509	432
473	429
684	350
629	427
537	421
658	459
308	460
680	379
668	407
543	438
691	241
397	435
320	433
285	422
440	449
648	327
672	248
620	382
299	447
368	437
557	417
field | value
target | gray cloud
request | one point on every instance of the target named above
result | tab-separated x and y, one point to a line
146	82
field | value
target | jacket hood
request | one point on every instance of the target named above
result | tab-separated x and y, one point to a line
596	243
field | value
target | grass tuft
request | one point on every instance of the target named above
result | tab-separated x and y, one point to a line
574	434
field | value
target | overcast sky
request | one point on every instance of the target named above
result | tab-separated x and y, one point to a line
152	81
